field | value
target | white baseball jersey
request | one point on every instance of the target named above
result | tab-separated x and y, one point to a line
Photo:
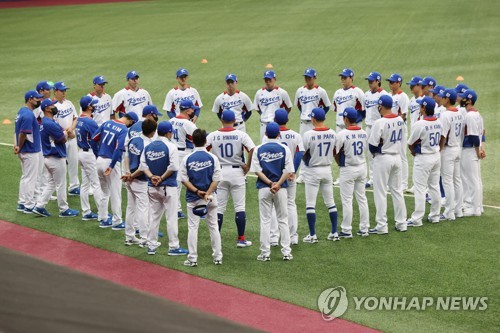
176	95
228	143
308	99
438	110
473	123
289	138
319	143
268	101
388	133
127	100
414	108
351	144
344	98
183	130
453	127
38	112
400	103
66	112
371	105
425	135
103	109
239	102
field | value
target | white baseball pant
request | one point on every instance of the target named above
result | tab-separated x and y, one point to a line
137	214
240	126
352	180
426	170
471	181
56	167
72	158
370	156
452	181
213	228
30	173
111	190
42	177
233	183
278	200
90	179
182	154
293	218
404	163
163	199
319	178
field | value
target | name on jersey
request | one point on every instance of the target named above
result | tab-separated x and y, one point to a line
265	101
304	99
342	99
228	137
356	136
113	127
323	137
184	98
99	108
395	124
432	127
230	104
133	149
197	165
289	136
154	155
269	157
414	107
62	113
134	101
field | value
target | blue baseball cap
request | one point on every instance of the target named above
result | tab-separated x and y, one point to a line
351	113
60	86
150	109
347	72
438	90
86	101
44	85
181	72
281	116
448	93
272	130
385	101
374	76
132	75
269	75
200	210
187	104
415	80
310	72
99	80
228	116
231	77
395	77
318	114
469	94
47	102
32	94
427	102
132	116
428	81
461	88
165	127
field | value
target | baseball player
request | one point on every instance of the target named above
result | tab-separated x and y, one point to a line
436	92
424	143
53	138
416	89
132	98
183	129
307	98
348	96
228	144
268	99
181	93
43	88
149	112
111	137
236	100
472	153
350	146
294	142
201	173
160	163
428	83
400	104
272	163
385	143
66	117
85	128
371	106
451	142
103	110
27	147
319	144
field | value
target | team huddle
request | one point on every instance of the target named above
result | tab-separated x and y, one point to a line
121	140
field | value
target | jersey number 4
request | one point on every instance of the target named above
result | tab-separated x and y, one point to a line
397	138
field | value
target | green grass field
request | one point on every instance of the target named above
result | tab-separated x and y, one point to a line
443	39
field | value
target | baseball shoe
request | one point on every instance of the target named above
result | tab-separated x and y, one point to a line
144	243
345	235
336	182
410	190
41	212
294	240
69	213
20	208
262	257
432	221
178	252
333	237
106	223
362	233
274	243
470	212
75	191
310	239
151	251
413	224
375	231
218	261
300	179
28	210
90	216
180	215
133	241
442	217
243	243
399	229
191	263
119	226
459	215
53	198
287	257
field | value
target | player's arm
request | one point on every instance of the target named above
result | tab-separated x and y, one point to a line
296	100
323	96
246	166
375	142
337	151
217	108
256	102
248	107
287	103
117	153
173	156
118	104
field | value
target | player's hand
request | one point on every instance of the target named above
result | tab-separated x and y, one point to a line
71	134
16	150
156	180
482	154
245	168
107	172
202	194
275	187
195	118
208	197
126	177
291	177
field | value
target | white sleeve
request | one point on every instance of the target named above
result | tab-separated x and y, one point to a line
472	125
288	161
255	166
324	96
216	107
198	98
247	142
361	98
296	98
415	133
117	100
333	99
173	155
183	169
217	176
306	141
256	101
148	98
405	104
167	106
190	128
445	122
248	102
74	109
300	143
143	165
286	98
375	134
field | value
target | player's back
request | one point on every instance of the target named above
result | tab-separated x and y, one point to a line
388	131
228	145
426	134
353	144
183	129
319	144
453	127
85	128
289	138
111	136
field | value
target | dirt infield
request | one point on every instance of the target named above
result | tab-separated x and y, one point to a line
44	3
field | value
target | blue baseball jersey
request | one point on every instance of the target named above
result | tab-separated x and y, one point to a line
111	137
135	130
52	138
272	159
135	148
26	123
200	168
85	127
159	157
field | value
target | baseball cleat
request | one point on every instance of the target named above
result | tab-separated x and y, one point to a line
287	257
262	257
310	239
20	208
178	252
399	229
243	243
106	224
133	241
294	240
144	243
410	190
41	212
411	223
53	198
274	244
119	226
69	213
75	191
218	262
442	217
28	210
368	185
377	232
191	263
362	233
336	182
344	235
90	216
432	220
151	251
180	215
333	237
